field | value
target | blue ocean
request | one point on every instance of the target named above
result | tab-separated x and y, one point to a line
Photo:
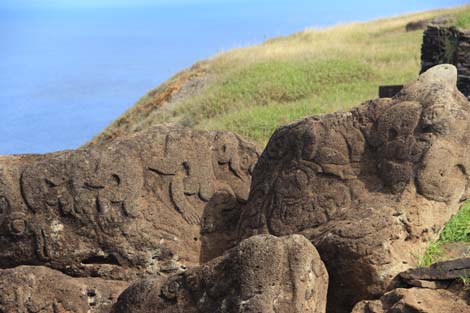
67	72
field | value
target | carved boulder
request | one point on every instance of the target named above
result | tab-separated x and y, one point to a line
152	202
262	274
369	187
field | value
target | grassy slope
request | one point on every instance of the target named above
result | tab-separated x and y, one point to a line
255	89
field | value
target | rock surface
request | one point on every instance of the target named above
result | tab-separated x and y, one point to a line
41	289
447	270
448	45
369	187
262	274
415	300
151	202
435	289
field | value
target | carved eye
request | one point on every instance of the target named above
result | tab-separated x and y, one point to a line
245	162
18	226
223	153
392	134
116	179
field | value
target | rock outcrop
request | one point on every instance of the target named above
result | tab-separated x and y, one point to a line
172	209
369	187
448	45
262	274
155	202
41	289
442	20
440	271
413	300
436	289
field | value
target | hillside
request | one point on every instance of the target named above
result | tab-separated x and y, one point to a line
253	90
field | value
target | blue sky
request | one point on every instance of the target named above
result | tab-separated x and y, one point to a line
106	3
63	4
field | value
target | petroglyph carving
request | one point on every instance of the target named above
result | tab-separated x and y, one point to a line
193	173
106	211
400	160
185	159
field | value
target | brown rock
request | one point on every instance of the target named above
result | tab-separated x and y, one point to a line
435	289
443	20
447	270
415	25
454	250
138	205
369	187
262	274
415	300
41	289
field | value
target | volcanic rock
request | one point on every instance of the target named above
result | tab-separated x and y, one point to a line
415	25
369	187
435	289
262	274
138	205
41	289
413	300
447	270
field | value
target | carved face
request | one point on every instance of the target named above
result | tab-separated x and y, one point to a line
238	158
414	141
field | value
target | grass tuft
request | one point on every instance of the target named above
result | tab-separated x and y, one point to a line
456	230
463	19
465	280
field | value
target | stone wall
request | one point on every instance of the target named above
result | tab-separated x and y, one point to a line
448	45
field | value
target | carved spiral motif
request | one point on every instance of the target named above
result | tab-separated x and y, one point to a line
171	287
18	224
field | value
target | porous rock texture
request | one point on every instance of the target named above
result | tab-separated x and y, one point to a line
155	202
415	300
262	274
435	289
440	271
369	187
41	289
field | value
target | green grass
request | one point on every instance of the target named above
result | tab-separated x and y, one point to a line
456	230
465	280
463	19
271	93
259	122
